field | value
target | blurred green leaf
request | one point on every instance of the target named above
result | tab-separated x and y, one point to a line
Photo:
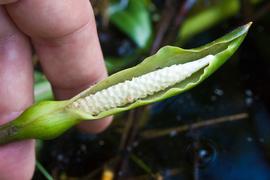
43	91
42	88
208	18
39	77
132	17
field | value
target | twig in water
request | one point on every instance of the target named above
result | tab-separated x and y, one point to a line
150	134
172	17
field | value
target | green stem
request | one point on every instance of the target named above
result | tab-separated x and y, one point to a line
45	120
7	133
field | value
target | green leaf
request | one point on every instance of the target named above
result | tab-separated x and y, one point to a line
210	17
42	88
134	20
49	119
43	91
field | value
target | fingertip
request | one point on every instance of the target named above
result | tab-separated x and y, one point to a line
19	160
95	126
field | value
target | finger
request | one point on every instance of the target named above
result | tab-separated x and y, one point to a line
7	1
16	159
65	38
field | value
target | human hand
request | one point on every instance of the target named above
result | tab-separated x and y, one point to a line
64	36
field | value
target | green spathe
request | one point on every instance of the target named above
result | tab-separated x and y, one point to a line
49	119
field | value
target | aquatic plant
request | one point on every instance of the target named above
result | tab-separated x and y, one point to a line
169	72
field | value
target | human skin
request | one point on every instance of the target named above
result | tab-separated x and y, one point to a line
63	34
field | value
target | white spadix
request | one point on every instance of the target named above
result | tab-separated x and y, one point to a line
139	87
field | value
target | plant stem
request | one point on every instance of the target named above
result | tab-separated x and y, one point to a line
150	134
7	133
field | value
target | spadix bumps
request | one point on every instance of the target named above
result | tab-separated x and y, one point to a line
139	87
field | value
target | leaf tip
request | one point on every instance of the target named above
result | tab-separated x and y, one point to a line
247	26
